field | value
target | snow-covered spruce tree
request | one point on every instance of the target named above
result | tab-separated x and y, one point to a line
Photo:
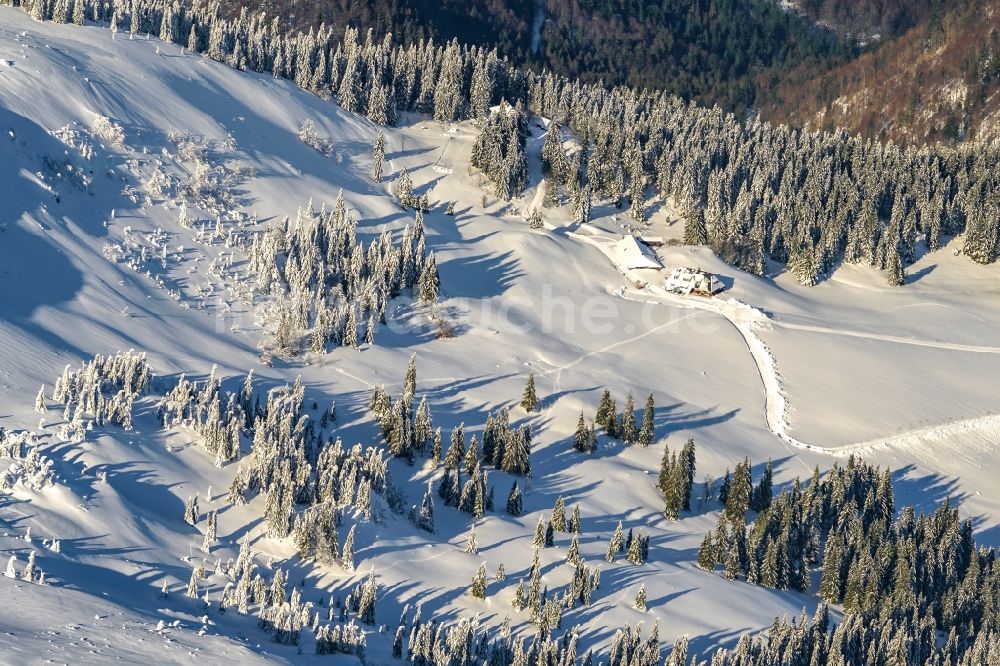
647	431
191	513
192	587
79	15
378	157
515	505
366	600
436	447
895	276
553	155
637	550
695	232
11	571
739	492
607	414
425	516
582	205
516	451
529	399
404	189
688	465
471	547
706	553
520	601
448	99
559	516
583	439
640	599
629	433
573	552
539	540
397	641
28	573
671	483
40	401
535	219
478	587
471	459
763	492
347	552
456	451
381	105
616	544
429	283
210	531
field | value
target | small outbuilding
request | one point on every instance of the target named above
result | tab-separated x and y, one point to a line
686	281
635	255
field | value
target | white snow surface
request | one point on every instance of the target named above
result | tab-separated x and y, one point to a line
769	369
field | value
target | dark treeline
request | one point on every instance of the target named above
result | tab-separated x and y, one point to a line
709	50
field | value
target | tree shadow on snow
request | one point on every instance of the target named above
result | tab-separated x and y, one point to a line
916	276
34	272
479	276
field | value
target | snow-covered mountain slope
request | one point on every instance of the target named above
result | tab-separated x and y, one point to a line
93	259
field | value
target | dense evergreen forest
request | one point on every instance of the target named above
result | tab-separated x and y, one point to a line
709	50
505	24
798	62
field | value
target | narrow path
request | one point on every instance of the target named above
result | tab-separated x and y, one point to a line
973	349
557	382
36	523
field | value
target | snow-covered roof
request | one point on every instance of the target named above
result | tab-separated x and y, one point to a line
685	280
635	255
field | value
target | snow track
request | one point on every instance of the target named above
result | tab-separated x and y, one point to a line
972	349
746	320
557	381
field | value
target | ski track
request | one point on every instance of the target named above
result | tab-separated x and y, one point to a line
557	382
32	519
973	349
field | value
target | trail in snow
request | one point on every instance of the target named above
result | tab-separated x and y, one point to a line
974	349
746	319
557	382
32	519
